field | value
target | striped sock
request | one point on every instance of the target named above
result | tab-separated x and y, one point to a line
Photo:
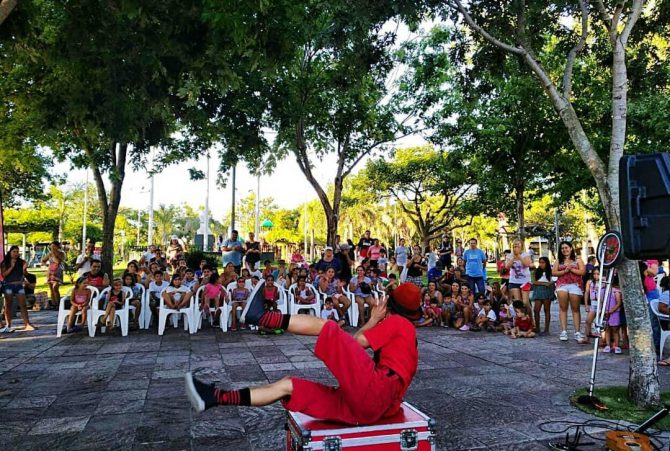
233	397
274	320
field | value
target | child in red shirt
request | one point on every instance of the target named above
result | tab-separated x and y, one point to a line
368	389
523	324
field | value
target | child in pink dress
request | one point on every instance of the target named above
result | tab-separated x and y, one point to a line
213	293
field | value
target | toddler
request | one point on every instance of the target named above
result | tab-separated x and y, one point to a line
330	313
486	318
523	324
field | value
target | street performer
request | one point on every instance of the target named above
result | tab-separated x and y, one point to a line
369	389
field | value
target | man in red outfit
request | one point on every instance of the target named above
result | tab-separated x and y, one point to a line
368	389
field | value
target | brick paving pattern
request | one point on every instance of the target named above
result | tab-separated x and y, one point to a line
111	392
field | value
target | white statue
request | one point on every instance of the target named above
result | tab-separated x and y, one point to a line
203	229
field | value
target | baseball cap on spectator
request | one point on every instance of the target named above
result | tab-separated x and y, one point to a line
328	248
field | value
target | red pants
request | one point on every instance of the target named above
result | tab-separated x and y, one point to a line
366	392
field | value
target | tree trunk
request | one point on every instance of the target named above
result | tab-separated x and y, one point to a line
109	204
521	213
6	7
643	387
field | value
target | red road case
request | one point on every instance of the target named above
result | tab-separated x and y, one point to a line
409	430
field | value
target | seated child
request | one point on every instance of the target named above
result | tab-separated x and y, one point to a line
504	318
436	311
80	299
213	296
486	318
115	301
428	315
135	301
448	310
523	324
304	295
238	298
330	313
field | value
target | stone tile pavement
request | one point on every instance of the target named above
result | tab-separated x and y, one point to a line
111	392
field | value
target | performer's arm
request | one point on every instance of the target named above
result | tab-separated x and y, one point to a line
378	313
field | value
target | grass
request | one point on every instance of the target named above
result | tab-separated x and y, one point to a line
42	286
619	407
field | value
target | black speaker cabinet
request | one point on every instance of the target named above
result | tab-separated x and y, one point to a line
644	184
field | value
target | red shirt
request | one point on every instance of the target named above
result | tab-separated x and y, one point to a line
95	281
394	343
524	325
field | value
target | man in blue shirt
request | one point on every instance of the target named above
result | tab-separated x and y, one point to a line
475	264
233	249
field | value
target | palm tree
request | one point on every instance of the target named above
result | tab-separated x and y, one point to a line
165	218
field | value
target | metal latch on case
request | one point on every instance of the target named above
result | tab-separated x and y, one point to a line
408	440
332	444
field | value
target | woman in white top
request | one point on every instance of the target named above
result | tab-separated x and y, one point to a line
519	264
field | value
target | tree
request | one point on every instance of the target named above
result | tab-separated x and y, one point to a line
246	212
74	77
165	218
330	99
432	188
528	26
6	7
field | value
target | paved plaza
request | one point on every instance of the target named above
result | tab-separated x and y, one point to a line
485	390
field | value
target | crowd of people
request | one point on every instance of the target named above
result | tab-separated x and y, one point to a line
456	290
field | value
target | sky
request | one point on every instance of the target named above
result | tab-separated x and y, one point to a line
286	185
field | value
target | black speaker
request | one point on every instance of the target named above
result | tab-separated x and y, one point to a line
644	189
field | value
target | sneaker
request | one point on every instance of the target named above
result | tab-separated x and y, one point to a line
254	309
76	328
278	331
200	394
579	336
6	330
607	349
563	336
617	350
464	328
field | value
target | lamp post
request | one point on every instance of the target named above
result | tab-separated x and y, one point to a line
232	214
83	231
258	204
139	225
205	238
150	234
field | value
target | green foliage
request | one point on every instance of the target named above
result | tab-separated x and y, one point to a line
193	259
433	188
30	220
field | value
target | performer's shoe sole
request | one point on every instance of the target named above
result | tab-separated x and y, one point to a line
196	401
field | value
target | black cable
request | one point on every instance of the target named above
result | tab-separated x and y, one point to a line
580	429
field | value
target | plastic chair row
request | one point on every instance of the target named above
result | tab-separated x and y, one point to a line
95	311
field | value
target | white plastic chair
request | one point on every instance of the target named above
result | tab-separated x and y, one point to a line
187	312
660	316
140	319
295	307
63	314
120	315
198	314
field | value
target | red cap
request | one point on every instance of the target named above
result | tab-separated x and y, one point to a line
406	301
